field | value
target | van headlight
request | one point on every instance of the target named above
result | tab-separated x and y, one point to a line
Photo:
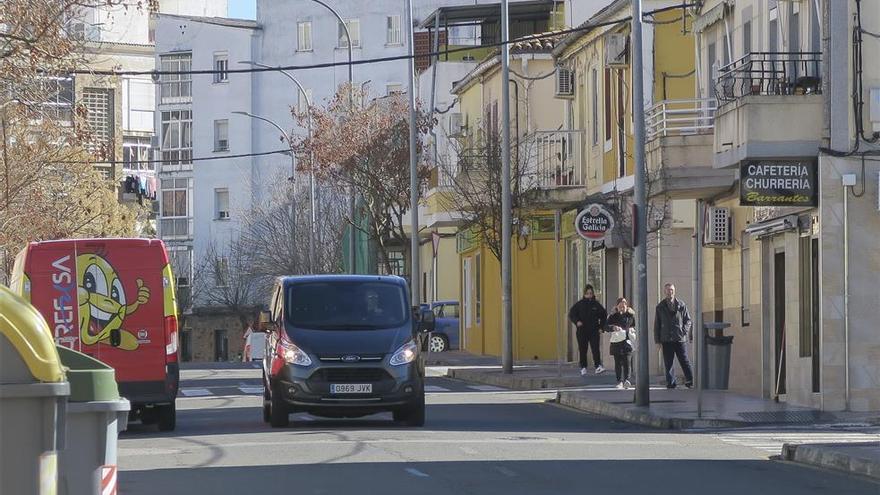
405	355
293	354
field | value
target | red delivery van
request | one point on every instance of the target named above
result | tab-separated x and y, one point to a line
114	300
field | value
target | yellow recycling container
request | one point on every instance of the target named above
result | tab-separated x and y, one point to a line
33	400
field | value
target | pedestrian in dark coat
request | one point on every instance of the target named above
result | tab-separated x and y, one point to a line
589	317
672	330
622	326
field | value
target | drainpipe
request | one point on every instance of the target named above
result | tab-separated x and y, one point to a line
849	180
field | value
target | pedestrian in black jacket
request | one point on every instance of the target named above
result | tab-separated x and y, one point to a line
622	325
672	329
589	317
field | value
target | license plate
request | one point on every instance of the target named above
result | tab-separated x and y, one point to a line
351	388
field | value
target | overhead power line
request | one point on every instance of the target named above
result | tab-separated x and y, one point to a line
249	70
198	159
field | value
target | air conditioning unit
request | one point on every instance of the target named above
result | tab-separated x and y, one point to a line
615	49
564	82
223	215
718	226
456	124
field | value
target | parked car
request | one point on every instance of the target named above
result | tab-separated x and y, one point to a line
114	300
254	346
344	346
446	326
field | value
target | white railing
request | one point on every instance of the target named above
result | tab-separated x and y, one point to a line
681	118
555	159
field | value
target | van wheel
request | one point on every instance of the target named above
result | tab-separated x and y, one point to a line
167	417
413	415
278	415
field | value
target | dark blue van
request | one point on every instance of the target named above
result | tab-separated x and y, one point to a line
344	346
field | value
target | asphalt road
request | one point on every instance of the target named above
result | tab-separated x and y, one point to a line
477	440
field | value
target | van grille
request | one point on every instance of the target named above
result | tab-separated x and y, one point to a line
350	375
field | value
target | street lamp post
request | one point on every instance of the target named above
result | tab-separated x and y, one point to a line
312	201
415	268
286	137
506	215
352	259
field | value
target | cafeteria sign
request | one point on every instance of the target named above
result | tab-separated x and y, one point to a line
778	183
594	223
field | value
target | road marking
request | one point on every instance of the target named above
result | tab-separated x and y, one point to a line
251	390
771	441
195	392
416	472
435	388
487	388
505	471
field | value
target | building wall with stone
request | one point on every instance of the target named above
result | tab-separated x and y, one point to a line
204	330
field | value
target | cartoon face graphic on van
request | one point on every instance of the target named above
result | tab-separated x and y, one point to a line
103	304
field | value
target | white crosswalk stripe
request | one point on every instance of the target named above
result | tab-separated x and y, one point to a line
435	388
251	390
195	392
772	441
487	388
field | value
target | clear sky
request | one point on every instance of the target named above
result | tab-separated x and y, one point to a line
243	9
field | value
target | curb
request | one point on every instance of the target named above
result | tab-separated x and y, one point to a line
512	381
637	415
825	456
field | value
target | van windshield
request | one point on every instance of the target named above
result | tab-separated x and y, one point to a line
346	305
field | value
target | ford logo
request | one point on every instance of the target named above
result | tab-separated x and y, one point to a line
351	359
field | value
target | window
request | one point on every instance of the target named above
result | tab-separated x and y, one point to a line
174	208
302	105
711	68
304	35
594	101
180	258
135	154
58	93
176	88
99	119
396	264
478	289
221	66
394	89
747	37
221	204
745	276
393	26
221	135
138	104
773	27
176	137
354	29
221	271
607	91
468	291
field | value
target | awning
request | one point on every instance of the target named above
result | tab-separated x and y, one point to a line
712	16
525	10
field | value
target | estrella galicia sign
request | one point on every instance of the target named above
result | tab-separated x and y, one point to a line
594	223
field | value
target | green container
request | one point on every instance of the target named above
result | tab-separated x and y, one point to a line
90	379
95	417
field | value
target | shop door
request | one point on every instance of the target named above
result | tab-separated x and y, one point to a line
779	322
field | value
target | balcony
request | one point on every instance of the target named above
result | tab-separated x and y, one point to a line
679	149
770	105
554	165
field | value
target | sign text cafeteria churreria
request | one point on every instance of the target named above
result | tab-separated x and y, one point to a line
779	183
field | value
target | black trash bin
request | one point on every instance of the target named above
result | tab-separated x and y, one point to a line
718	362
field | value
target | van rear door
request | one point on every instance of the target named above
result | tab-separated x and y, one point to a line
124	283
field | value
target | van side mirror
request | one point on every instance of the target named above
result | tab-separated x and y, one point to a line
265	324
115	337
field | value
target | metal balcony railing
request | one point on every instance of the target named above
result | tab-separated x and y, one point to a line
681	118
555	159
769	73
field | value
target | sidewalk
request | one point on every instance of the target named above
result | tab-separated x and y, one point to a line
853	458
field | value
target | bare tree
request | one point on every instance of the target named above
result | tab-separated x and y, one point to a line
225	279
365	149
473	179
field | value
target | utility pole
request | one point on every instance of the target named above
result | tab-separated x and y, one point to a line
643	385
415	268
506	223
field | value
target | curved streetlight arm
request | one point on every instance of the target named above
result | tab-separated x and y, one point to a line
264	119
302	90
348	37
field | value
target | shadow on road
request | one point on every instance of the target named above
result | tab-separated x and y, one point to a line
564	477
